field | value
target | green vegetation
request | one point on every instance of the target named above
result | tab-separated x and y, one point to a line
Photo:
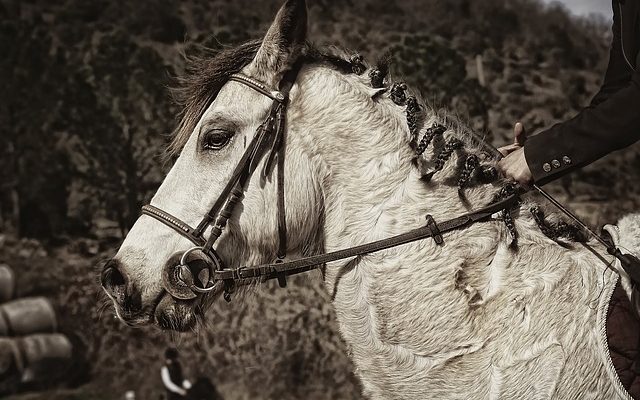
84	116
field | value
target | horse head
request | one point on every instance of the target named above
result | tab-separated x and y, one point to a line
330	119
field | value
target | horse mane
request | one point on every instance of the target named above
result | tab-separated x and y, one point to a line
464	141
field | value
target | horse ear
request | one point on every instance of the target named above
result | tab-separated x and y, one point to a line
284	39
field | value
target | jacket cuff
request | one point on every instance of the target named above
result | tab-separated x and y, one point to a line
544	163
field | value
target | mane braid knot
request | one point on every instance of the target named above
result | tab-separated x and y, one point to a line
538	216
444	155
413	111
428	136
470	165
377	78
398	93
488	174
511	227
570	231
357	64
509	190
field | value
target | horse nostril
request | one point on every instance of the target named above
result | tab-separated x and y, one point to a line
112	275
113	280
118	285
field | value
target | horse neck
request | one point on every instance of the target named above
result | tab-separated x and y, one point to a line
360	146
375	190
418	306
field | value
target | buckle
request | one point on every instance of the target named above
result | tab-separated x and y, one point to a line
435	232
278	96
282	278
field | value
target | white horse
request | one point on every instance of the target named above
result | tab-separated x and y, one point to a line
471	319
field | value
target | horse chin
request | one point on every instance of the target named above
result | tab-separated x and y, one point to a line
177	315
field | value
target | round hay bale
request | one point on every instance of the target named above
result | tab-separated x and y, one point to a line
26	316
11	366
45	356
33	361
4	326
9	355
7	283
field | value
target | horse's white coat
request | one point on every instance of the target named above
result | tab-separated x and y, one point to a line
467	320
626	236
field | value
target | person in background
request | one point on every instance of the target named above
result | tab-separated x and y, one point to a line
172	378
611	122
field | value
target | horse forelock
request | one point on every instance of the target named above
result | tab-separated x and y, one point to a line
203	78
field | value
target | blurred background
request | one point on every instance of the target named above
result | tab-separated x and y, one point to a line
85	114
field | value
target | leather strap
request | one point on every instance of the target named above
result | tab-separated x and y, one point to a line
173	222
435	231
259	87
273	270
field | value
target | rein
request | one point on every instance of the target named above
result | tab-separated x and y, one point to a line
629	262
430	230
179	280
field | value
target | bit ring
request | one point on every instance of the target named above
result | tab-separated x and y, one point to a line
213	265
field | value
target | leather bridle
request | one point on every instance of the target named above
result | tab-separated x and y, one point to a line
270	137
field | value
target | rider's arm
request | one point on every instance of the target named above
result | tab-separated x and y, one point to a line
610	123
168	383
618	72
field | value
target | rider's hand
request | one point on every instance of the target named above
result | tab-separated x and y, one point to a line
520	136
514	165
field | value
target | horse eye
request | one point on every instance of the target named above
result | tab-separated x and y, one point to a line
216	139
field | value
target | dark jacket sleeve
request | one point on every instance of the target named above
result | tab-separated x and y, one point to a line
610	123
619	73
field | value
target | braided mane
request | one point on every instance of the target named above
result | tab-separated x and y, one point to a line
429	127
478	166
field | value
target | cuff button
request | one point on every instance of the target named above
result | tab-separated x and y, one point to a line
555	163
566	160
546	167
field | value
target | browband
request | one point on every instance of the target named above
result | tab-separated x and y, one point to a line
259	87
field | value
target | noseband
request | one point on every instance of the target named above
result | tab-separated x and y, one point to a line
269	136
